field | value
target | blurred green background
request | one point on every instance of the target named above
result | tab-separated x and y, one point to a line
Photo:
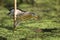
46	28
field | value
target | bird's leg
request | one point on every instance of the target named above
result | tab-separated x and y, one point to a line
17	22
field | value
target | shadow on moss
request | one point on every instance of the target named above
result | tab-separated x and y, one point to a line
3	38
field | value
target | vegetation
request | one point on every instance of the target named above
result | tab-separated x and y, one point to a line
46	28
